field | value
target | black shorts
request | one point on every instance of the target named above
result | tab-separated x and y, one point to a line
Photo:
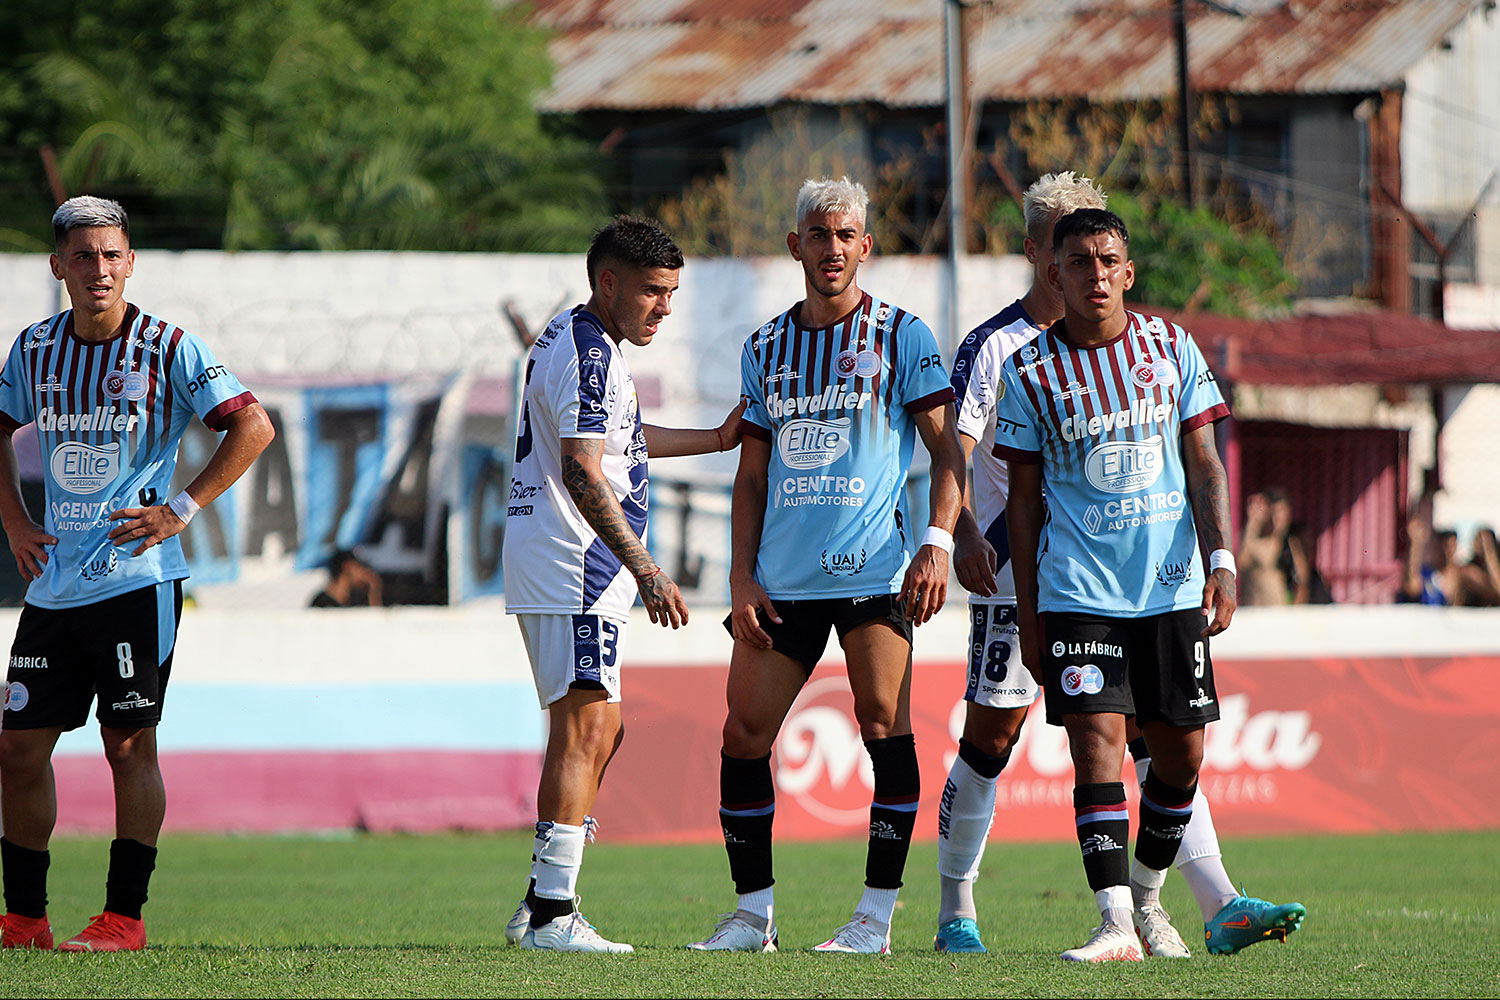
803	632
119	648
1155	668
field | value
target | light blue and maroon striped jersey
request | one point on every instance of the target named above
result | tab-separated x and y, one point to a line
109	415
836	405
1106	423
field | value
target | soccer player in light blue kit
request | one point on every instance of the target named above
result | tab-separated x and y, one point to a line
111	391
839	386
1114	411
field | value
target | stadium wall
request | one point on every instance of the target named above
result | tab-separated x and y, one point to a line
1335	720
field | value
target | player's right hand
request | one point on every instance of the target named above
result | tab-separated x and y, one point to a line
662	599
28	543
975	562
745	598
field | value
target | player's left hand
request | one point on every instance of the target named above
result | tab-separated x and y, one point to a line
1220	598
926	585
729	430
147	525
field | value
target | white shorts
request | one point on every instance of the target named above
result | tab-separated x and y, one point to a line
997	678
572	649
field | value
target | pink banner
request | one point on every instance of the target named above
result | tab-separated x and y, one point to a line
1309	745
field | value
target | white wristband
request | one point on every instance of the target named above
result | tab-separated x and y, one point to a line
937	536
183	506
1221	559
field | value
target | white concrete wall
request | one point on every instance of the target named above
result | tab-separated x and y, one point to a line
1450	131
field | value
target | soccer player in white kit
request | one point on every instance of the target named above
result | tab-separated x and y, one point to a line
574	555
111	390
1000	690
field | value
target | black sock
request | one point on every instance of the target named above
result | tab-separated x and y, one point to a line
980	762
531	891
1103	832
1165	812
747	806
545	910
130	866
893	812
1138	751
25	879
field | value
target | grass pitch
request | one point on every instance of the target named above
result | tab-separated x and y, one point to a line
1407	915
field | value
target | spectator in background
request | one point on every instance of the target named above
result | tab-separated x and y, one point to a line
351	583
1268	521
1480	576
1432	575
1299	565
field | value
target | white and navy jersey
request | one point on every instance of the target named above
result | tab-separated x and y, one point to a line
1106	423
836	405
976	376
109	415
577	386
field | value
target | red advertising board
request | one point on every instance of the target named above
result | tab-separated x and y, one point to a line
1343	745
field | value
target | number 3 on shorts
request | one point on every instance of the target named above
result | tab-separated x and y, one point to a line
127	664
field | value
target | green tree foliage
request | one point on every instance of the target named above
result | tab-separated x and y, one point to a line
1195	261
294	124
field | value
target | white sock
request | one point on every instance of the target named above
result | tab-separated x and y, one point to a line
1115	905
559	853
879	904
1145	885
759	904
965	813
1209	882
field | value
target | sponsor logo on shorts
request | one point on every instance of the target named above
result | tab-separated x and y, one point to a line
85	468
28	663
1125	466
1202	699
521	510
16	696
585	631
133	699
1087	679
813	444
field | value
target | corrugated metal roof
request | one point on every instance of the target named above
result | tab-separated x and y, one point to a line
712	55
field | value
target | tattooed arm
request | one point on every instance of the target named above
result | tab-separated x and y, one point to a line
583	477
1208	492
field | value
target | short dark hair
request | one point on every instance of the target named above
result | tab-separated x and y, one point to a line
339	560
1088	222
85	211
629	239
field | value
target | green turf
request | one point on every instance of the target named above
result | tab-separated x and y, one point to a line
1408	915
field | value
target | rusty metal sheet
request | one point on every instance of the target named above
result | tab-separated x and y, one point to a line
727	54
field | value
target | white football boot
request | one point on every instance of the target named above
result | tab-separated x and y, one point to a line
571	933
736	933
1108	943
861	936
519	921
1158	937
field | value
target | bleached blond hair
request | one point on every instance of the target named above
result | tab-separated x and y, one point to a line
1056	195
85	211
829	195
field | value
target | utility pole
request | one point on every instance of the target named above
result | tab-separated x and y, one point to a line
1184	99
957	107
